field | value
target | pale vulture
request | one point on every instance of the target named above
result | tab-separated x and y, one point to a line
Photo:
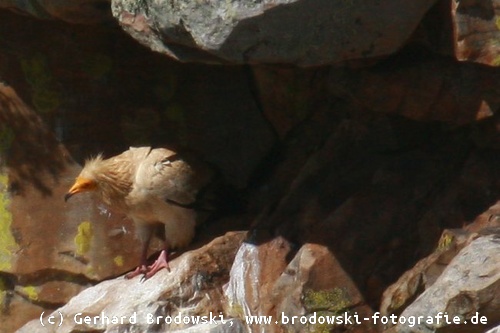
150	186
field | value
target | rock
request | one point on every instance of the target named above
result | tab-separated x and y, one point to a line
258	32
430	90
353	170
191	288
476	26
365	195
235	150
494	330
466	291
253	274
312	285
315	285
72	11
286	95
423	275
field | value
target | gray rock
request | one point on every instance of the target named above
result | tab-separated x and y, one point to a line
468	290
297	32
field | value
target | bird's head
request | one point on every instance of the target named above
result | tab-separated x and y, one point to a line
81	185
87	180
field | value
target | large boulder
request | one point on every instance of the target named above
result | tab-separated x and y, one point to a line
280	31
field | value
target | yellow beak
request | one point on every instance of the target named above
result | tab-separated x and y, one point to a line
81	185
72	191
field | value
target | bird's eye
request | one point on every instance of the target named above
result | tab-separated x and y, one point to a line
86	185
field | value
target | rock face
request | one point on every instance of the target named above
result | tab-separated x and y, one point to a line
370	177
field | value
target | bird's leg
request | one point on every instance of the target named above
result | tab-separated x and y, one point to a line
142	268
161	262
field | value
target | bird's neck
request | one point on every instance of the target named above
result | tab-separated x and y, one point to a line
114	185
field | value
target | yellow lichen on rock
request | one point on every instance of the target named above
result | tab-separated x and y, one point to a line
118	261
326	303
3	293
8	244
445	242
83	238
334	300
30	292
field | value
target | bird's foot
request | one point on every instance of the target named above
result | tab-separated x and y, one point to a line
142	269
161	262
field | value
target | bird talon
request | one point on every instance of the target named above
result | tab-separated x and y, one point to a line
161	262
138	271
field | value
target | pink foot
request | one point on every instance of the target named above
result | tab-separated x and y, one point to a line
161	262
142	269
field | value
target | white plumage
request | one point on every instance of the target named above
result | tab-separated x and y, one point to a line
150	186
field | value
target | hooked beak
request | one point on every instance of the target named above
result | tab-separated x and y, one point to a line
72	191
81	185
67	196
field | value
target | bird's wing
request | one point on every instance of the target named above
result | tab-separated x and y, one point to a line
165	175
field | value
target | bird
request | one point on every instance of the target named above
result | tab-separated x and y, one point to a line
151	186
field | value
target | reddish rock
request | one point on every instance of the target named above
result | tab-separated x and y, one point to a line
289	96
476	28
428	90
315	285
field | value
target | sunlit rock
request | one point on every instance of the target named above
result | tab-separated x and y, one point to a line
187	296
275	31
